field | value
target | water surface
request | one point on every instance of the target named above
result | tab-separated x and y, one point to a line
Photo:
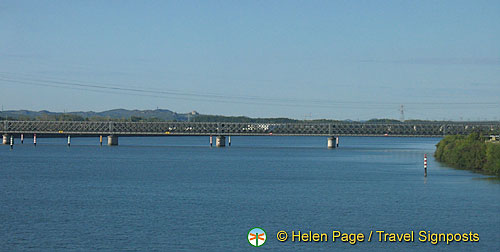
178	194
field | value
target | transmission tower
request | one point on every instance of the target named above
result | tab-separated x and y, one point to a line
402	111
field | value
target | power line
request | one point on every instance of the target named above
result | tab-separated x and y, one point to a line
227	101
221	98
108	86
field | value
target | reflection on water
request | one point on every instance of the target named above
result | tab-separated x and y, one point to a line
491	179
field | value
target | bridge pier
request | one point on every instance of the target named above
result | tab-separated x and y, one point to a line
220	141
112	140
6	139
332	142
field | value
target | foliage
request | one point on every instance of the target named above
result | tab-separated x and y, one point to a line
493	158
60	117
469	152
243	119
141	119
383	121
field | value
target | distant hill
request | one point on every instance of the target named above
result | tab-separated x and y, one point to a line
115	114
157	115
162	115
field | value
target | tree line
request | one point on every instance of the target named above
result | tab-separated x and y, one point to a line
470	152
78	118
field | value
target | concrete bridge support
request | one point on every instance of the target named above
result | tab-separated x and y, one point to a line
112	140
220	141
6	139
332	142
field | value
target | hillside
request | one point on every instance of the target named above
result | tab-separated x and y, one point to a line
162	115
115	114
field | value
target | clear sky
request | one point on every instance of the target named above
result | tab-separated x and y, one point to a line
299	59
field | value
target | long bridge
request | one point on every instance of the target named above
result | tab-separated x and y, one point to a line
112	130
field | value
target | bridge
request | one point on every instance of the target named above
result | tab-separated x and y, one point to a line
111	129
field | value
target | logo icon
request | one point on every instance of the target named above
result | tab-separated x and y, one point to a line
257	237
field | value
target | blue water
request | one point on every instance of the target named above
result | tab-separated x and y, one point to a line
178	194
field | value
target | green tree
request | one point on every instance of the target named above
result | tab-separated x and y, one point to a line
469	152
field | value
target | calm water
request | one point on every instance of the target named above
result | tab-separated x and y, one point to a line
178	194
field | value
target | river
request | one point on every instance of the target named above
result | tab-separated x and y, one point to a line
178	194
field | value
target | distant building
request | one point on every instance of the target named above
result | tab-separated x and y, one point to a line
493	138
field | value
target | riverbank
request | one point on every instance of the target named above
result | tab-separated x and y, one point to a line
469	152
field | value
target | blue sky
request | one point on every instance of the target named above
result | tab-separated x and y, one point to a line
298	59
